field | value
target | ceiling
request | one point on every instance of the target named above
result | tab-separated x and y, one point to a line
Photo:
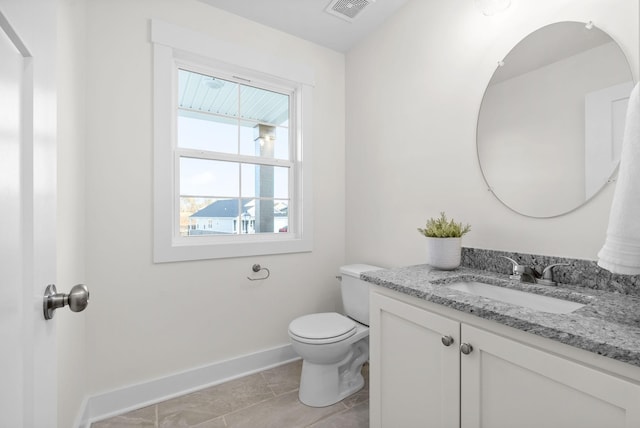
308	20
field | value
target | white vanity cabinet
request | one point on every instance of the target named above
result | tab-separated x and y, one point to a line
417	381
414	380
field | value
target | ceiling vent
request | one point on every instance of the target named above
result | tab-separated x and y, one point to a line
347	9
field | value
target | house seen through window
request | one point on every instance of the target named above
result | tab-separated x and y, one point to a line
234	157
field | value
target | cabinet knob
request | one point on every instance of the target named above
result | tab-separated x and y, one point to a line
466	349
447	340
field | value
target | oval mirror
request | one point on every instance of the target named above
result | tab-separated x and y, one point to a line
551	121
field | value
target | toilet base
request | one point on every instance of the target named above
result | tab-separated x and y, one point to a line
322	385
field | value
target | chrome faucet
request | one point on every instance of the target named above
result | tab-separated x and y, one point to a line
547	274
521	272
527	274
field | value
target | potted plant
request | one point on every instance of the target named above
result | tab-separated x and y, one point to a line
444	241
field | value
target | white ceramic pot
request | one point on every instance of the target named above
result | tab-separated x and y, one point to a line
444	253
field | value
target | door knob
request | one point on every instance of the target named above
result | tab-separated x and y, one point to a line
77	299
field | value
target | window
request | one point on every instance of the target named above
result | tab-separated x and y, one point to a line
233	155
231	151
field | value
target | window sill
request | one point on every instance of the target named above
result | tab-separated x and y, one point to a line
183	251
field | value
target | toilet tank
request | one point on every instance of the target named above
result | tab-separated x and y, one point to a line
355	292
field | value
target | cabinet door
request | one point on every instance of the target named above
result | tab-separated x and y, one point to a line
508	384
414	378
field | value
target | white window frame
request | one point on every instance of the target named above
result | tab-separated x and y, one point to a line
175	47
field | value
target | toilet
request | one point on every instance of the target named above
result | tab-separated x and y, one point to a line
334	347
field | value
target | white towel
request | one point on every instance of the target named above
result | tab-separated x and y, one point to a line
621	250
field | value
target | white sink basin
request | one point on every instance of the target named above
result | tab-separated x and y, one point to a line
517	297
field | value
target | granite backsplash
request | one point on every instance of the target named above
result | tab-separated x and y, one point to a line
585	273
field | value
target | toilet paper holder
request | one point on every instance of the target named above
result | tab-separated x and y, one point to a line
257	268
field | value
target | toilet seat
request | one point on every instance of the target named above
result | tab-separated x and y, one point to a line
318	329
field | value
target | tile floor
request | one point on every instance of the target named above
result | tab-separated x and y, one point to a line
268	399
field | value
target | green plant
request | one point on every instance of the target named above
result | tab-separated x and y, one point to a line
442	228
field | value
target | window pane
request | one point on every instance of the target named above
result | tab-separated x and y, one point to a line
281	149
268	215
206	93
189	206
281	216
265	181
207	132
264	106
218	217
200	177
281	182
258	139
248	144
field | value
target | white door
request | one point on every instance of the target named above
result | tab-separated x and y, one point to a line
27	212
507	384
414	366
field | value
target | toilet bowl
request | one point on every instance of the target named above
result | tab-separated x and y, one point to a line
334	347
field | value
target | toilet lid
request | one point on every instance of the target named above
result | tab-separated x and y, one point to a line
321	328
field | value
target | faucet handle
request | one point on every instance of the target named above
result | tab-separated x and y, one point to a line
517	269
547	274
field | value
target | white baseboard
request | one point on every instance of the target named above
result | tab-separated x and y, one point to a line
122	400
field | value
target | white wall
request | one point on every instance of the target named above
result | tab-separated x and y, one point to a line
413	94
71	327
150	320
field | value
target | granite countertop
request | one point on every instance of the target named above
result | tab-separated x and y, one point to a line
608	324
